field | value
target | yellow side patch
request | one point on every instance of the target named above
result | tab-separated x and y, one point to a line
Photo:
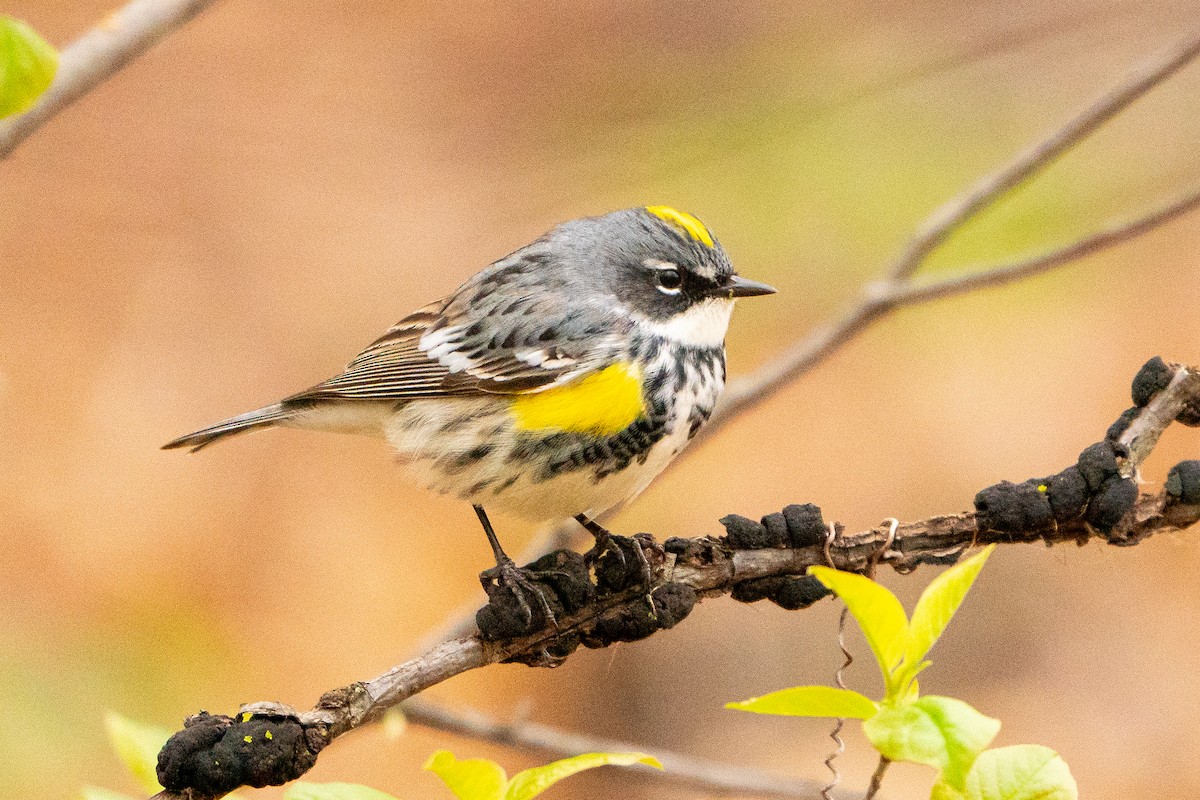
681	219
602	404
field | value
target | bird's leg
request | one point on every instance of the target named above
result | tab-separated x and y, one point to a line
512	576
603	537
599	532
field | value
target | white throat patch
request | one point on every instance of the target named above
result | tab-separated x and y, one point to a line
702	325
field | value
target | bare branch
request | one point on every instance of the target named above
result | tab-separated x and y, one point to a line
1031	161
907	294
883	298
701	774
98	55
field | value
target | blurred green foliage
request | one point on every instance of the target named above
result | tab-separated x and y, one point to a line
28	64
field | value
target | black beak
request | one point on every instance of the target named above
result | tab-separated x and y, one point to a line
742	287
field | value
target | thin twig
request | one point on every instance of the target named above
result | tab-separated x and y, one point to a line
98	55
909	294
883	298
1031	161
877	778
701	774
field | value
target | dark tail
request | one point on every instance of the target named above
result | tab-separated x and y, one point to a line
260	418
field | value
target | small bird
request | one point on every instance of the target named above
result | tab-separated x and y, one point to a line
557	382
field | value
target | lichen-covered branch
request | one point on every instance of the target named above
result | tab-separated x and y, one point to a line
606	599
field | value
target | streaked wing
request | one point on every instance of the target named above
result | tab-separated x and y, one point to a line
446	350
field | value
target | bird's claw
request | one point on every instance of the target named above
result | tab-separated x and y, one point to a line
507	577
627	560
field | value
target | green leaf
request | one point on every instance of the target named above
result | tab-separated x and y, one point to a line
938	603
98	793
911	690
27	66
941	732
944	791
879	614
471	778
303	790
1021	772
480	779
137	745
810	701
532	782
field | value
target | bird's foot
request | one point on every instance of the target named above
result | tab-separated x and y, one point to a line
521	585
621	561
524	600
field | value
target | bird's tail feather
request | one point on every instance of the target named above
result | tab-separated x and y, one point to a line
259	418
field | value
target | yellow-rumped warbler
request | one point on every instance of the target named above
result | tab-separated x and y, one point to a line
558	382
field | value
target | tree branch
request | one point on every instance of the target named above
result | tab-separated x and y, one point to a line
1031	161
748	563
98	55
907	293
719	573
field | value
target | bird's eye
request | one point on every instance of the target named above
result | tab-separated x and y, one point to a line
670	280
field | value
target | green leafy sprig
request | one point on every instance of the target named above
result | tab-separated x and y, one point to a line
941	732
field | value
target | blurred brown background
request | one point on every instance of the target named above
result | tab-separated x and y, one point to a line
235	215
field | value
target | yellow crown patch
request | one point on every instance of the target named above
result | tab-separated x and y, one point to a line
684	221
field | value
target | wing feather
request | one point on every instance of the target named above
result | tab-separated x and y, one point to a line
475	344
